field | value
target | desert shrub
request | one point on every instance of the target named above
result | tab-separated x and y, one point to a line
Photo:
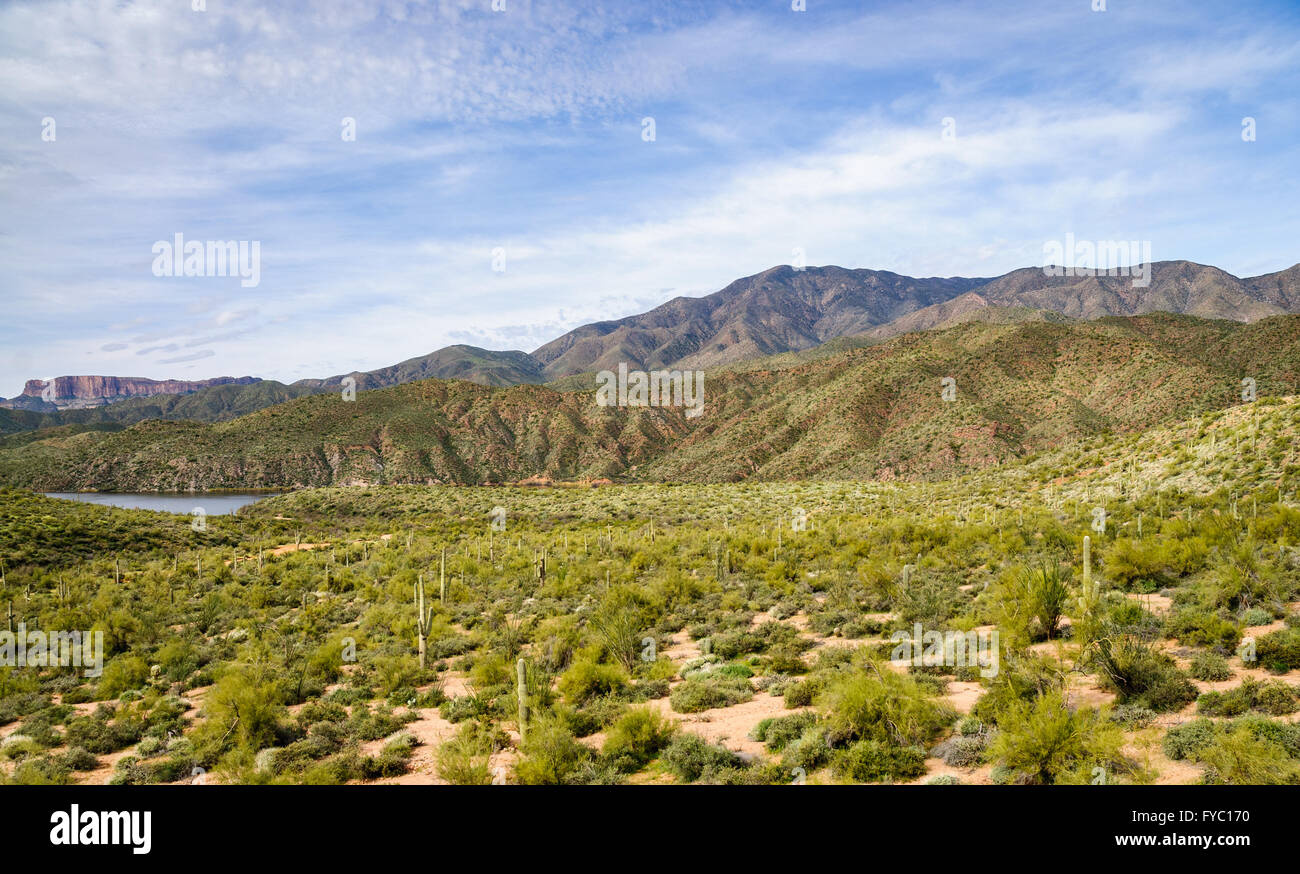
122	674
874	761
1279	650
1131	717
879	704
586	679
243	709
1240	757
79	759
689	757
777	731
1273	697
1187	740
1210	667
1196	627
1142	675
808	752
1022	679
99	734
637	737
1045	742
943	780
463	759
552	756
41	771
1285	734
799	694
962	751
704	692
1256	616
393	760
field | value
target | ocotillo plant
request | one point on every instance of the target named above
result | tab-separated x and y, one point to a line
521	691
423	619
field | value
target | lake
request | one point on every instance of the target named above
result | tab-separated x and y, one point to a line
220	504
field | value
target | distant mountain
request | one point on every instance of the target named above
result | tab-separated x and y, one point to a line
781	311
82	392
469	363
778	310
875	412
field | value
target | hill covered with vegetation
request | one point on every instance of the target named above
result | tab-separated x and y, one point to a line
875	412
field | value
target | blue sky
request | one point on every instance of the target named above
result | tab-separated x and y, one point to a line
522	130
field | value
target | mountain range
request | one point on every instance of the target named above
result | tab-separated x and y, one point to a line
781	311
878	412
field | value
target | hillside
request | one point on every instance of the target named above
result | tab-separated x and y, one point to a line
875	412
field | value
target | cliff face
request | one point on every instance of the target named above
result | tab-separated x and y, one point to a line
80	392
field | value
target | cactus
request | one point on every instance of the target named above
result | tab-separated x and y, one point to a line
423	619
442	577
1088	598
521	692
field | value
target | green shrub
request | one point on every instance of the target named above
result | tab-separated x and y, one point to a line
586	679
1210	667
878	704
1045	742
874	761
552	756
463	759
1187	740
690	757
122	674
1241	758
707	691
1142	675
637	737
777	731
1279	650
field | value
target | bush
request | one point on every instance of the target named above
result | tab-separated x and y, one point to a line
879	704
463	760
690	757
1143	676
1279	651
122	674
1131	717
586	679
962	752
704	692
1210	667
1239	757
637	737
1044	742
799	694
1187	740
873	761
552	756
1195	627
777	731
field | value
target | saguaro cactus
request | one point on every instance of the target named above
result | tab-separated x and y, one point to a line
521	692
423	619
442	577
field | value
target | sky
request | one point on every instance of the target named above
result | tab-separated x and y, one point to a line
517	173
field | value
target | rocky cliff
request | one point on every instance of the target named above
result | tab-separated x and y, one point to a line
80	392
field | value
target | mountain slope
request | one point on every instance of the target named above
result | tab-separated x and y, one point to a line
872	412
469	363
778	310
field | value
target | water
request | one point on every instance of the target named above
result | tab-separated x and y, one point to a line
212	504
